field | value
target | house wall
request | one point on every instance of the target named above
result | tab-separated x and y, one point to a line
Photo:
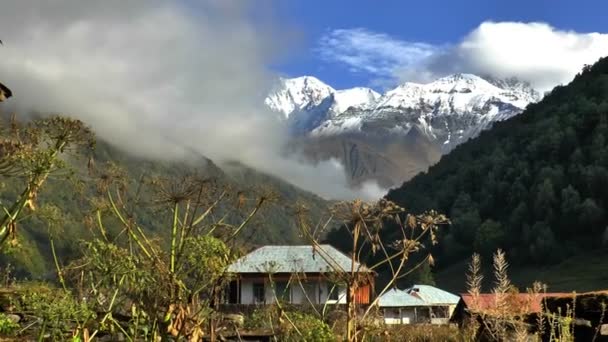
391	316
408	315
451	309
412	315
318	292
396	315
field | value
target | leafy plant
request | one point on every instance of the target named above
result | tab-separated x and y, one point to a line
7	325
172	287
290	325
31	153
60	312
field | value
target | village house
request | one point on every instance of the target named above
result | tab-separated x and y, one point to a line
417	304
294	275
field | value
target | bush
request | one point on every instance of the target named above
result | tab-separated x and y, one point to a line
7	325
424	333
59	311
291	326
309	328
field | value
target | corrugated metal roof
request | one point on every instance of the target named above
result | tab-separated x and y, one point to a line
417	295
399	298
432	295
292	259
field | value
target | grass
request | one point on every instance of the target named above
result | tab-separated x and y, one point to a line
585	272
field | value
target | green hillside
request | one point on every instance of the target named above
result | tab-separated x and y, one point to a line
274	224
587	271
535	185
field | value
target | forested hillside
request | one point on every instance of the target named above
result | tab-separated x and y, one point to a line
74	198
535	185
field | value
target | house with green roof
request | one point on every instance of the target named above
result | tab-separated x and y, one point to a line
294	274
417	304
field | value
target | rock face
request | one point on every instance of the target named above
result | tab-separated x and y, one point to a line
391	137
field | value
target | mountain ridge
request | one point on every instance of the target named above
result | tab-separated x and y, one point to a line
446	112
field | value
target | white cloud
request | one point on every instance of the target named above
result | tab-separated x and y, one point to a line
361	50
157	78
535	52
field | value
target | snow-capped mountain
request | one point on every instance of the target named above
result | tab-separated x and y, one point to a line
357	98
297	94
444	113
449	110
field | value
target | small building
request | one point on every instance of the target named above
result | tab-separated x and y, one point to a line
417	304
294	275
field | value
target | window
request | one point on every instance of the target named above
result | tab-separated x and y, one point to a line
440	312
231	295
310	291
283	292
259	293
334	291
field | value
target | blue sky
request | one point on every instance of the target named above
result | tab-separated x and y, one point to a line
440	24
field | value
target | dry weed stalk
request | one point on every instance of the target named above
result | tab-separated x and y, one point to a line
176	286
32	153
364	223
503	318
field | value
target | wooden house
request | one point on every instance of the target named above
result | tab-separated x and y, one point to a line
295	275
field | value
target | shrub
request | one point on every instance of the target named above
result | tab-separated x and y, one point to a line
59	311
309	328
290	326
7	325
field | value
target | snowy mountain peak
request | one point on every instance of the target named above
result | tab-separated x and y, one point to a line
460	83
516	85
458	93
296	94
358	97
392	136
449	110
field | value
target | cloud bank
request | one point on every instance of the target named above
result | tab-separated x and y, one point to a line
535	52
159	79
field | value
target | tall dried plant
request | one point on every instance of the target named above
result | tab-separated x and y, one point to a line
474	279
501	319
177	285
365	223
30	153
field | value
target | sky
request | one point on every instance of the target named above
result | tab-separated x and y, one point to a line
438	24
166	79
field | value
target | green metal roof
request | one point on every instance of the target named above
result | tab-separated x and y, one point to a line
433	295
399	298
417	295
294	259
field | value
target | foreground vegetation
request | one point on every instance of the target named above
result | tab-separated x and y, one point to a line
163	276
